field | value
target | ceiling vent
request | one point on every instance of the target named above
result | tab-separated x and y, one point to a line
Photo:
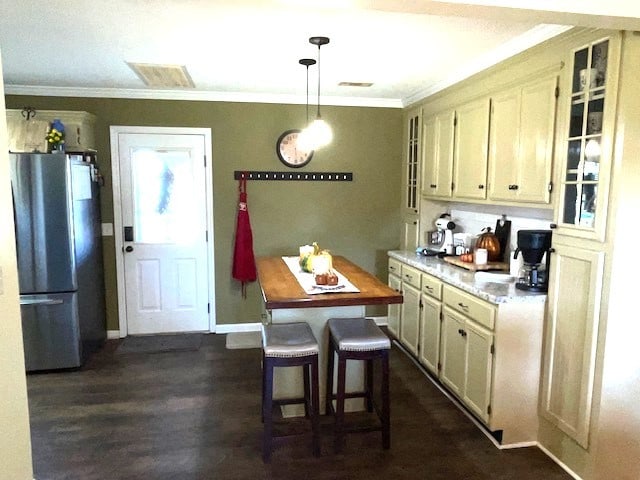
355	84
162	76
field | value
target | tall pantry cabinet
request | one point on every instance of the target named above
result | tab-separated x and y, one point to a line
581	249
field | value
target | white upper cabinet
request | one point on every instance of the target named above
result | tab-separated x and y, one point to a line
411	174
586	144
521	142
437	155
28	135
471	145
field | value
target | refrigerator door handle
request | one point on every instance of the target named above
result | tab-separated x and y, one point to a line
30	300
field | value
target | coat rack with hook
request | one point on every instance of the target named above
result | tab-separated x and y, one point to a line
295	176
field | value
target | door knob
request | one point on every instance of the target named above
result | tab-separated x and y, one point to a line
128	249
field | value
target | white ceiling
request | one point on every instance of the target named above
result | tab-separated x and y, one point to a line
248	50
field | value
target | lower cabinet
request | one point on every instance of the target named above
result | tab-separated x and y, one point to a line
393	312
487	355
572	329
430	320
478	369
453	355
410	310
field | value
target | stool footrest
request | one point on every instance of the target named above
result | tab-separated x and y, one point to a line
351	395
289	401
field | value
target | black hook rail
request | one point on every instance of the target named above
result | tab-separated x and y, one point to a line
295	176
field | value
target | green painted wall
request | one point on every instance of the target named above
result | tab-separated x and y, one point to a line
359	219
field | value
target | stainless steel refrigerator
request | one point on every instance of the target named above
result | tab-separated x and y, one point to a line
59	248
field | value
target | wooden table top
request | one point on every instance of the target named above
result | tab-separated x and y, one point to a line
280	288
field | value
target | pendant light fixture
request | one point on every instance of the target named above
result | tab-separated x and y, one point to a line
318	133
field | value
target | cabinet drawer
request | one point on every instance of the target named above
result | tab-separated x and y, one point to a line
431	286
394	267
411	276
476	309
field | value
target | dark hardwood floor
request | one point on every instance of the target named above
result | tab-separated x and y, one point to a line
196	415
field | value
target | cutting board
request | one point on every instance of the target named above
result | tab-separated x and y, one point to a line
502	231
475	268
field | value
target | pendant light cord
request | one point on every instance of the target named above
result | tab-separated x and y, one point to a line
318	113
307	95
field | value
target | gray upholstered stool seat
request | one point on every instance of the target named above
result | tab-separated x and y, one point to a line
358	339
358	335
290	345
289	340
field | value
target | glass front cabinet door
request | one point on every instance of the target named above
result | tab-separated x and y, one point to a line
588	139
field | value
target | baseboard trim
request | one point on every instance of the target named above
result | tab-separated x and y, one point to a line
380	321
238	327
557	460
113	334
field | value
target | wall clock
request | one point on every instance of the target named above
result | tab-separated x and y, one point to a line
288	151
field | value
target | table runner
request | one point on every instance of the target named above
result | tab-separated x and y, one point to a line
308	283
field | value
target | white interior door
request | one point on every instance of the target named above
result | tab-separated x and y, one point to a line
163	206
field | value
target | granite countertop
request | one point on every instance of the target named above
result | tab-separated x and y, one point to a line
494	292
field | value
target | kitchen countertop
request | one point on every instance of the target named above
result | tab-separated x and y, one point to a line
494	292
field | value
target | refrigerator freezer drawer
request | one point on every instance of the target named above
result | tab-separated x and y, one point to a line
50	331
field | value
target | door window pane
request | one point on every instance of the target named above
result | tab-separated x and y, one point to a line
164	207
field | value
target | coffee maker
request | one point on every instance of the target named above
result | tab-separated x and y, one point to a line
533	244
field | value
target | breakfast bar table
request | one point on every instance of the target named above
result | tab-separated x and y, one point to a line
286	301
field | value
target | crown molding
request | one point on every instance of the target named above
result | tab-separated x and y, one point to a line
190	95
531	38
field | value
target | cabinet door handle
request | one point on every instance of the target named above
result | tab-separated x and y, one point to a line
481	187
552	250
513	187
553	225
433	185
460	331
463	306
428	288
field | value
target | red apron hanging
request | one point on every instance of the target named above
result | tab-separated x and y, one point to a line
244	263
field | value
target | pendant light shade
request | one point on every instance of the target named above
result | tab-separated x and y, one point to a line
318	133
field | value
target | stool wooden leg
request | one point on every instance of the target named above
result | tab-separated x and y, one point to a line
386	414
339	424
306	373
328	404
267	410
315	407
369	384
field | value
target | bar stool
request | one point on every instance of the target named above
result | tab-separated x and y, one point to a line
289	345
358	339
